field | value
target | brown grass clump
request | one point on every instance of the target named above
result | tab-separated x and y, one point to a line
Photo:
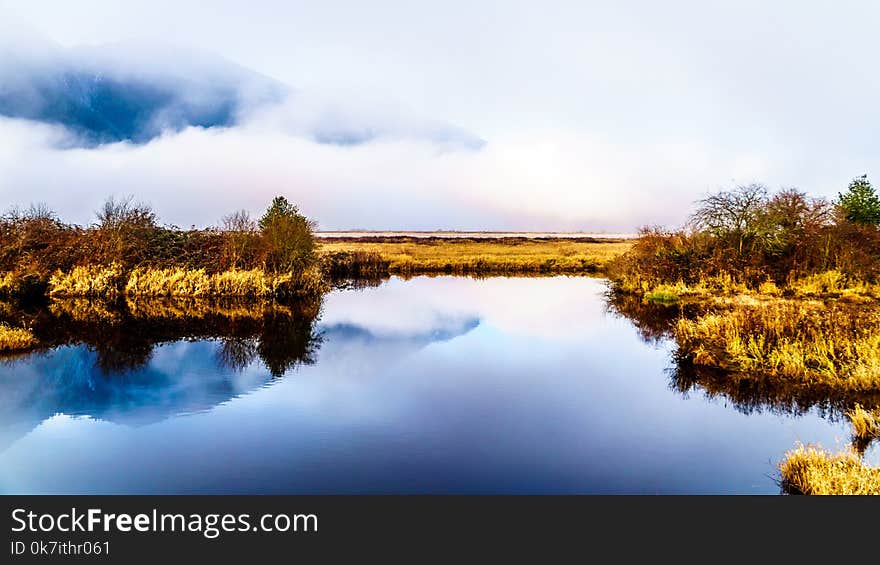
812	470
16	339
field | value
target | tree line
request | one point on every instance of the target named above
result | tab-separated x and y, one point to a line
35	242
750	236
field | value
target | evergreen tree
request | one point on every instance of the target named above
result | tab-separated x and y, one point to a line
860	204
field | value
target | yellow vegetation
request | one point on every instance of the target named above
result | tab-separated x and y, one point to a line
835	284
8	283
866	423
91	280
453	255
828	284
107	282
812	470
708	287
16	339
837	346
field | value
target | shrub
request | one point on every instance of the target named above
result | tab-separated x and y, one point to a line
290	244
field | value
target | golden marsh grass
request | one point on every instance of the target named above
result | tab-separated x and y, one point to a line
89	281
809	342
109	282
812	470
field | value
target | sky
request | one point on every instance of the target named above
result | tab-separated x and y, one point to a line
514	115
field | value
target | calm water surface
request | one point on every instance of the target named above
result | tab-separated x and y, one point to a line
432	385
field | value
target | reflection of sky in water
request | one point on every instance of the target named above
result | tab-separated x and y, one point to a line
428	385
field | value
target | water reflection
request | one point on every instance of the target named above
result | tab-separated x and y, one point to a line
124	334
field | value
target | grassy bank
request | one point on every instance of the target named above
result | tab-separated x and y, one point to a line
111	281
127	252
470	256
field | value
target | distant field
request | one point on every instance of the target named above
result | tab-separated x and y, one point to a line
474	234
477	255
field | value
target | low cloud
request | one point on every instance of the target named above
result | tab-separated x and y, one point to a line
563	181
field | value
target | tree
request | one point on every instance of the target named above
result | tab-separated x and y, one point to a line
860	204
240	239
732	215
288	237
789	217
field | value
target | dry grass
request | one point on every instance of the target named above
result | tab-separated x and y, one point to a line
828	284
835	345
16	339
463	256
812	470
196	283
866	423
88	281
721	285
108	282
8	284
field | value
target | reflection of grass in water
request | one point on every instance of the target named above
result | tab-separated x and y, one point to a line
812	470
464	255
123	333
86	310
193	308
16	339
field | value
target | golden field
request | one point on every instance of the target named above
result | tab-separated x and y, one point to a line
511	255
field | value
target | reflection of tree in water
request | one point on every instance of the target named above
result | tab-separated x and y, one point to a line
124	334
748	392
287	341
237	353
122	353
